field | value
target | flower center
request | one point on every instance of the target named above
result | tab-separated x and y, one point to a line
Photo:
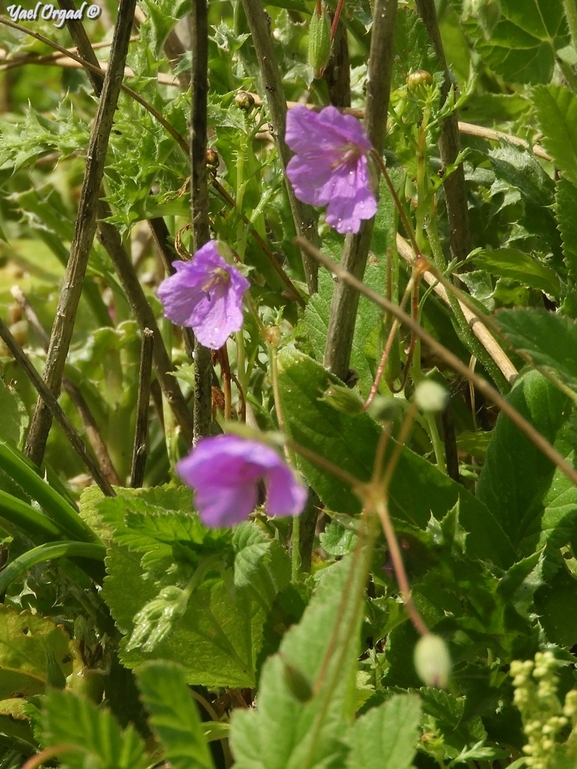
347	153
219	275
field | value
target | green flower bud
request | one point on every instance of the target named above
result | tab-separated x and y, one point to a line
343	399
430	396
156	620
244	101
417	78
385	408
319	41
432	661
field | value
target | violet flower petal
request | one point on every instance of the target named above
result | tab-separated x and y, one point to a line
224	472
205	295
330	167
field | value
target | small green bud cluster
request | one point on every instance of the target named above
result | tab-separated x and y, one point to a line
543	717
156	620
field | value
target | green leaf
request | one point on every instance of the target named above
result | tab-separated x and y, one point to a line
523	45
509	263
556	110
413	47
386	735
279	733
92	732
26	640
533	502
556	604
17	567
173	715
566	205
368	317
159	548
13	417
548	338
417	488
27	475
222	625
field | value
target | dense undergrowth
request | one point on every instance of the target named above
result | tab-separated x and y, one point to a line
432	421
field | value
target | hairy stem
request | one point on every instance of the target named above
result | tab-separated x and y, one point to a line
199	198
345	299
303	214
84	230
140	445
449	146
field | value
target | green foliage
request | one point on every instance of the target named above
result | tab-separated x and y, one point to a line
112	608
90	735
174	716
523	44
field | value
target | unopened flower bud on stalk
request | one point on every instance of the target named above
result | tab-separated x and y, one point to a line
432	661
430	396
319	41
385	408
244	101
212	159
419	77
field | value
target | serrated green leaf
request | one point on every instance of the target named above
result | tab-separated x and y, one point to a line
386	735
223	622
317	318
534	502
174	715
92	732
548	338
557	115
26	640
509	263
417	487
522	46
556	604
566	205
278	734
413	47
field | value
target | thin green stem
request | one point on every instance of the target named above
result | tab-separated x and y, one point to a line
438	446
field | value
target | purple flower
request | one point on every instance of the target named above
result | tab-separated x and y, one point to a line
205	295
225	471
330	167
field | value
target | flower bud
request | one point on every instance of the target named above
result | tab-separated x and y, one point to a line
430	396
212	159
244	101
432	661
273	336
385	408
297	682
417	78
319	41
342	399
